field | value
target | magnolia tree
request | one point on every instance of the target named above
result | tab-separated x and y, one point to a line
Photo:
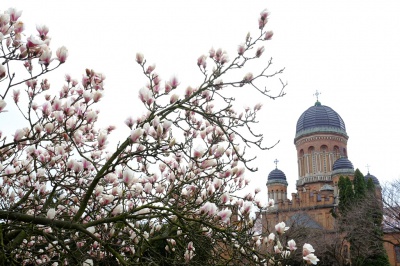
167	194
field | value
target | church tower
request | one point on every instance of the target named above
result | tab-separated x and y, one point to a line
277	185
320	140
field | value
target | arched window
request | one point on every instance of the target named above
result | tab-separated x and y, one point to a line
336	153
313	157
302	165
324	154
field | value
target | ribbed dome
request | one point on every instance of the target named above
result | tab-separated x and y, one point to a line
342	163
374	179
319	118
276	174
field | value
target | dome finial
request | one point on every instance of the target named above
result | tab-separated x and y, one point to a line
276	163
368	166
316	94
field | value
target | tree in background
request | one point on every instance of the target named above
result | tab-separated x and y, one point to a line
164	196
391	209
360	220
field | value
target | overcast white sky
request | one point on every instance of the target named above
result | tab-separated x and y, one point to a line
349	50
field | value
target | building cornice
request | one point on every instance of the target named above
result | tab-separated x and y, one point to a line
314	179
321	129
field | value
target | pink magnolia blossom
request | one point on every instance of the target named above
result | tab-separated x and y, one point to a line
225	215
307	249
42	30
198	152
167	87
271	202
139	58
268	35
247	206
102	139
2	105
173	98
97	95
188	92
88	262
160	188
166	125
201	61
19	134
3	71
62	54
292	245
208	163
277	250
212	52
240	171
146	96
248	77
311	259
91	116
51	213
45	57
280	228
263	19
117	210
106	199
19	27
33	42
260	51
4	20
150	69
209	209
16	94
219	151
98	190
49	128
271	237
136	134
174	82
14	14
225	198
46	109
148	188
241	49
127	176
258	106
130	122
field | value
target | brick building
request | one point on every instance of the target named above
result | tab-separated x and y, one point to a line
321	146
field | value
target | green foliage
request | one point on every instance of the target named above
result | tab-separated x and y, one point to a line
359	185
359	205
346	193
370	185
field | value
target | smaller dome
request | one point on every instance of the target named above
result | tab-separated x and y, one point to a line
374	179
277	176
342	163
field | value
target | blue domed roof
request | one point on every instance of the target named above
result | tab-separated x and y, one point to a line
319	118
374	179
277	176
342	163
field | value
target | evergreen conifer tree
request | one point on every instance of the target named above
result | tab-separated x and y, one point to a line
359	185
